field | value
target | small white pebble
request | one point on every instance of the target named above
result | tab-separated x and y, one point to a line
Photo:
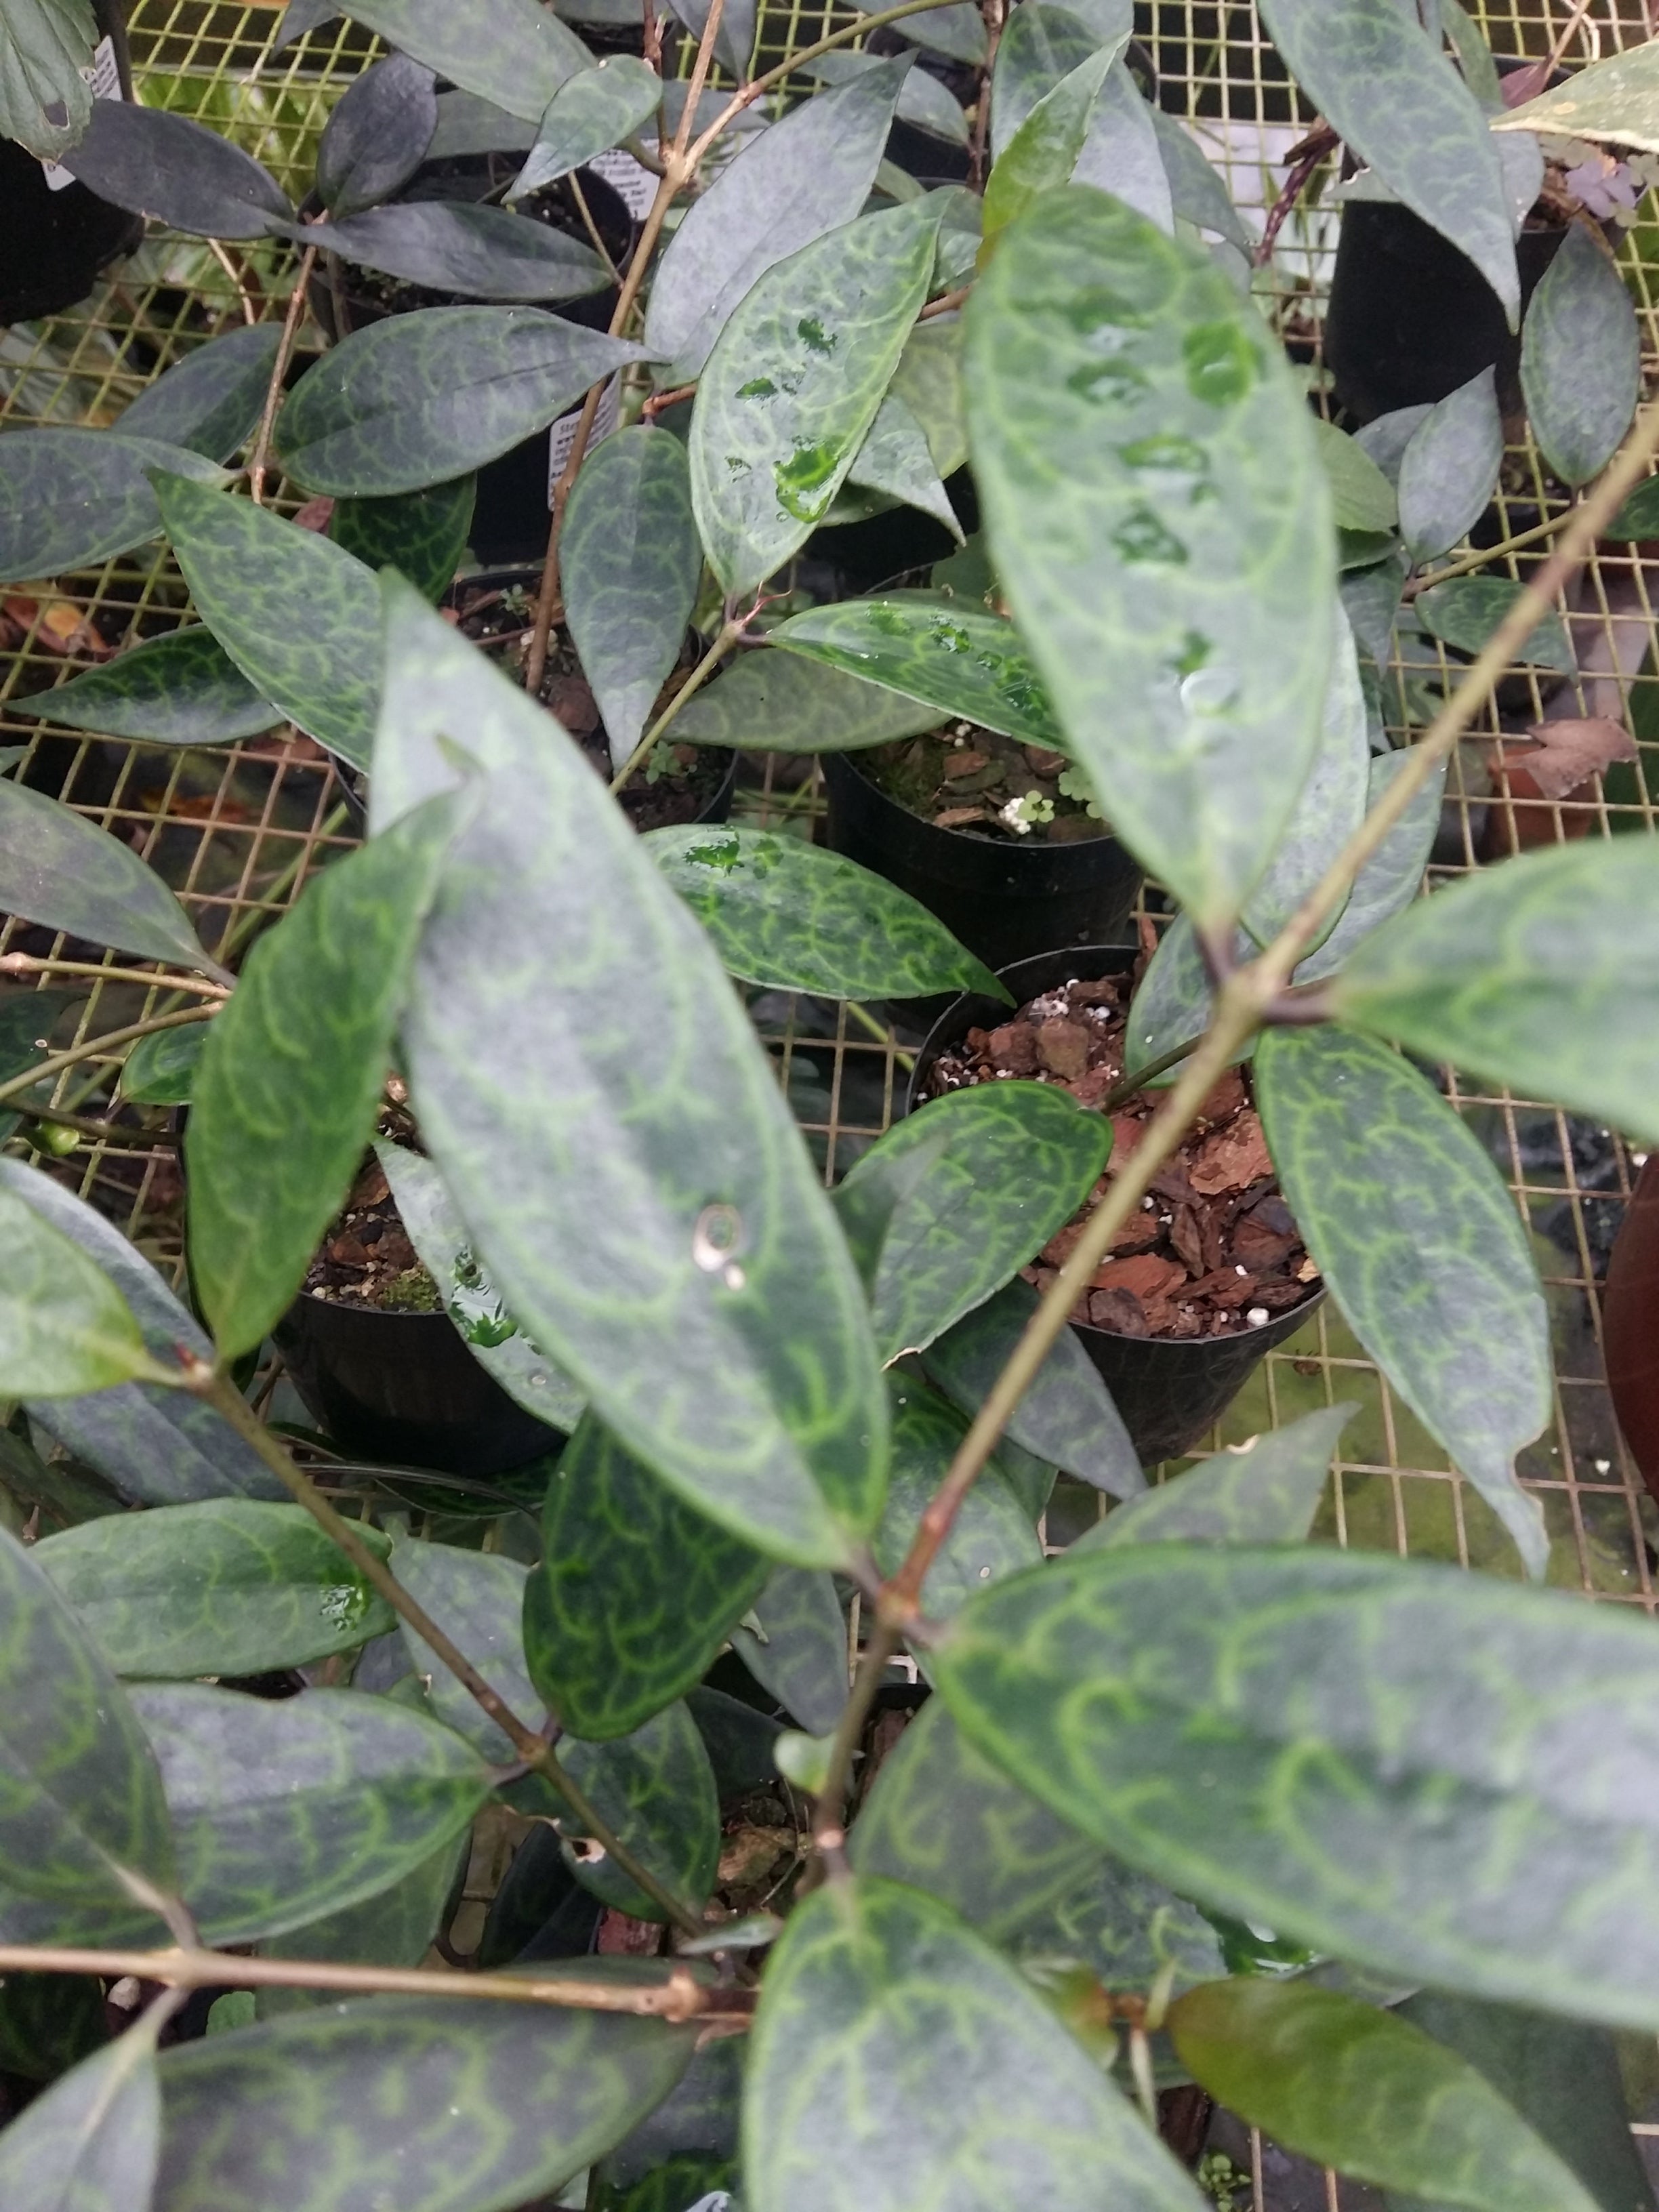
125	1993
1241	1271
1604	1466
1257	1316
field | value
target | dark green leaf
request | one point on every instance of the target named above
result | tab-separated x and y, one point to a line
478	1598
67	1494
493	1337
59	869
995	2104
284	1101
49	2022
956	29
1370	599
292	609
228	1587
1639	515
804	177
376	136
1581	357
449	245
176	171
922	100
44	45
782	702
1389	881
394	1928
1330	805
794	1642
895	460
1362	498
1125	1929
991	1535
183	688
1157	514
1174	1001
1533	975
1266	1491
737	1738
91	2143
1065	1417
794	380
1043	152
630	567
654	1789
1040	43
1612	100
467	124
421	534
81	1813
593	110
1397	101
1465	612
300	18
929	380
26	1020
421	397
514	54
469	2107
1437	1775
952	659
635	1593
1355	2086
696	2126
1448	470
210	402
1422	1246
788	915
942	1817
691	1206
539	1910
159	1445
64	1328
1121	153
949	1205
72	498
1196	191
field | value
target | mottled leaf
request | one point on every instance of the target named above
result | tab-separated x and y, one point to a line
284	1101
292	609
946	1207
376	136
210	402
956	29
1330	805
477	1599
789	916
1448	470
64	1328
1043	151
27	1018
1639	515
895	459
780	702
1389	880
516	54
419	398
794	380
922	100
483	253
1174	1001
654	1789
176	171
468	124
1265	1491
421	534
183	688
44	47
1465	612
595	109
73	498
1421	1244
1355	2086
794	1642
59	869
1398	102
1581	357
1126	1930
991	1535
1611	101
1533	975
631	563
90	2143
1121	153
1183	638
790	185
1370	599
393	1928
1197	193
686	1202
49	2022
226	1587
635	1593
472	2106
995	2103
1067	1416
1362	498
1040	45
929	380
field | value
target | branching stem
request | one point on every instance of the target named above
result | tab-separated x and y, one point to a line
72	1055
296	306
26	963
723	641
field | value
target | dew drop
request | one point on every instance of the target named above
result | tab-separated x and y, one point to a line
1221	365
732	1276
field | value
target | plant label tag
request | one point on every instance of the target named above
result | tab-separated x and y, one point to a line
633	184
562	435
105	78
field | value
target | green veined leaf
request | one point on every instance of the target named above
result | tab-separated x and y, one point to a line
1611	101
377	135
782	702
895	459
793	183
1370	599
1639	515
81	1813
58	869
923	100
478	1598
1125	1929
1402	1765
1532	975
1354	2086
517	56
26	1021
393	1928
794	1642
180	689
73	498
1390	879
1362	498
210	402
793	382
1395	98
595	109
64	1328
1043	152
692	1207
44	46
49	2022
690	2141
928	381
513	2100
284	1101
954	30
996	2103
1121	153
631	565
226	1587
91	2143
177	171
1581	358
1036	49
991	1535
483	253
1197	194
1465	612
1265	1491
635	1593
784	914
292	609
420	399
1420	1243
1331	804
950	1204
654	1789
1448	470
953	659
1113	376
1067	1417
421	534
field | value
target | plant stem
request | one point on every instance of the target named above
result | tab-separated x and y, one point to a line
102	1133
296	307
218	1391
946	304
678	1998
992	10
593	228
57	1061
26	963
1131	1086
728	636
830	1812
867	1021
1471	562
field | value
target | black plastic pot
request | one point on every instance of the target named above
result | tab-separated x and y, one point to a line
54	242
1004	901
1169	1389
